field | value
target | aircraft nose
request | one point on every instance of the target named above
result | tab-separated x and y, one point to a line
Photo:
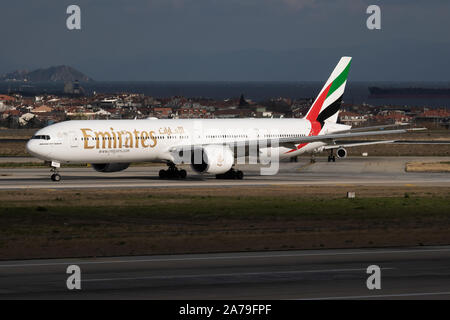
33	148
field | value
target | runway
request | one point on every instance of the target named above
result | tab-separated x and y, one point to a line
406	273
364	171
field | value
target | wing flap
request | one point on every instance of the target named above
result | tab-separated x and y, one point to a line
380	127
348	145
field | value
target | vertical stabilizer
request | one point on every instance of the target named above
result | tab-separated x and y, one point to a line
328	102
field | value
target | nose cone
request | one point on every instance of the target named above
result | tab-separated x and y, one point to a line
33	148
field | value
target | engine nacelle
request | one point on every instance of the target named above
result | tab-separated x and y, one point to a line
341	152
216	159
110	167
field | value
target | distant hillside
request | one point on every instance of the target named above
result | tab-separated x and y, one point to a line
52	74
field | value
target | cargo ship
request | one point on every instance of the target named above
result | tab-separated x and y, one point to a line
377	92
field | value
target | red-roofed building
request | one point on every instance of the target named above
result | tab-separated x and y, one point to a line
351	118
436	116
162	112
6	98
42	109
392	116
437	113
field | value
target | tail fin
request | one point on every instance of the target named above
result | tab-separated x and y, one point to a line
328	102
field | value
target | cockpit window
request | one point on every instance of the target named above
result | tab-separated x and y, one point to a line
41	137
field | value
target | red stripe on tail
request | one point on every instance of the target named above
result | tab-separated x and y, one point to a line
315	109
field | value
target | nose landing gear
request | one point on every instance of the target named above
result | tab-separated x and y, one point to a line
55	175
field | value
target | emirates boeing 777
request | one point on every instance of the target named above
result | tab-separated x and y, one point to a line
111	145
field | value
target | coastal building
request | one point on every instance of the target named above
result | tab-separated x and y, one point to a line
352	119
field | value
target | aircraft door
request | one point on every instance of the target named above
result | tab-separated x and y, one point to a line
73	140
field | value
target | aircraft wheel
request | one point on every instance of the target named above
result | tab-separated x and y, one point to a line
182	174
239	175
162	174
56	177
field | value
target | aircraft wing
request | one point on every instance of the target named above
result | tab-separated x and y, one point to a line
332	136
380	127
290	141
356	144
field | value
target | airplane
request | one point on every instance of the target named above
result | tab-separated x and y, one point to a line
111	145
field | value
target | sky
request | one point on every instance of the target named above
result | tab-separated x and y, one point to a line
229	40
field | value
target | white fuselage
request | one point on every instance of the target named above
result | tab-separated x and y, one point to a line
121	141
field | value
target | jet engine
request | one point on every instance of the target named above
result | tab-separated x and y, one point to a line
110	167
215	159
341	153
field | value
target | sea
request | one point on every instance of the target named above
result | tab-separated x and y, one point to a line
355	93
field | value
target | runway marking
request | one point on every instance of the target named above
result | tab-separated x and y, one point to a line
375	296
224	257
228	274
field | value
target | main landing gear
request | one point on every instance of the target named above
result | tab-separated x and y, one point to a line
172	172
231	174
55	175
331	157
